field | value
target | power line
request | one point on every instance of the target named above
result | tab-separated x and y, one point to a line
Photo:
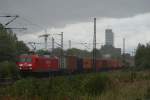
10	16
13	18
17	28
31	23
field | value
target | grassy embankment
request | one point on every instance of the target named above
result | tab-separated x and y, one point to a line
116	85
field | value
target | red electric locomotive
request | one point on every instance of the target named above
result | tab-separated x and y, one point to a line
35	63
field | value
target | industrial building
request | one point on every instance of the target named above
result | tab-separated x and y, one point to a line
109	50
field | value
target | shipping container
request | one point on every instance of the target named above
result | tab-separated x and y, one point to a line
98	64
62	64
79	65
54	64
87	64
71	62
63	69
116	64
111	64
105	64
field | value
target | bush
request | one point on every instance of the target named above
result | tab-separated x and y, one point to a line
54	87
8	70
147	95
97	84
62	87
25	87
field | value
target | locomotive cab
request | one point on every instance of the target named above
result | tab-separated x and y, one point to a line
25	63
35	63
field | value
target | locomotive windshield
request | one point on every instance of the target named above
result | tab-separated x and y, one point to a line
25	60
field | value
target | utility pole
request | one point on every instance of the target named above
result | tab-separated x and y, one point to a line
53	41
62	53
123	46
61	45
69	44
94	46
124	51
61	40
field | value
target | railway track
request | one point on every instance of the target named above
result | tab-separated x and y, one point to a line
6	81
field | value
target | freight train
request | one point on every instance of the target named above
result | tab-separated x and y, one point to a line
69	64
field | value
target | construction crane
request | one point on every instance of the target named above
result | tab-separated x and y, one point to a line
45	36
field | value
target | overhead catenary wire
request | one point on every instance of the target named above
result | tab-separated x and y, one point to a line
13	18
32	23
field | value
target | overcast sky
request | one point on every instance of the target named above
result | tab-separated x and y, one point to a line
127	18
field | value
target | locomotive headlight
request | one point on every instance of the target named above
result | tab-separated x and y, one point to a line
20	64
29	65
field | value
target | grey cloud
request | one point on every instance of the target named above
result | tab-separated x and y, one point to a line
135	29
57	13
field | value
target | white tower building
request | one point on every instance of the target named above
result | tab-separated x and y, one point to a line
109	37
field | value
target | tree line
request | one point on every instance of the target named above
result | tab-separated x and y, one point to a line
70	52
10	46
142	56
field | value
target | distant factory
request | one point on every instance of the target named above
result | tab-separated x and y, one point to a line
108	50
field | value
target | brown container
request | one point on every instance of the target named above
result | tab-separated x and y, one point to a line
99	64
87	64
71	63
105	64
108	64
116	64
